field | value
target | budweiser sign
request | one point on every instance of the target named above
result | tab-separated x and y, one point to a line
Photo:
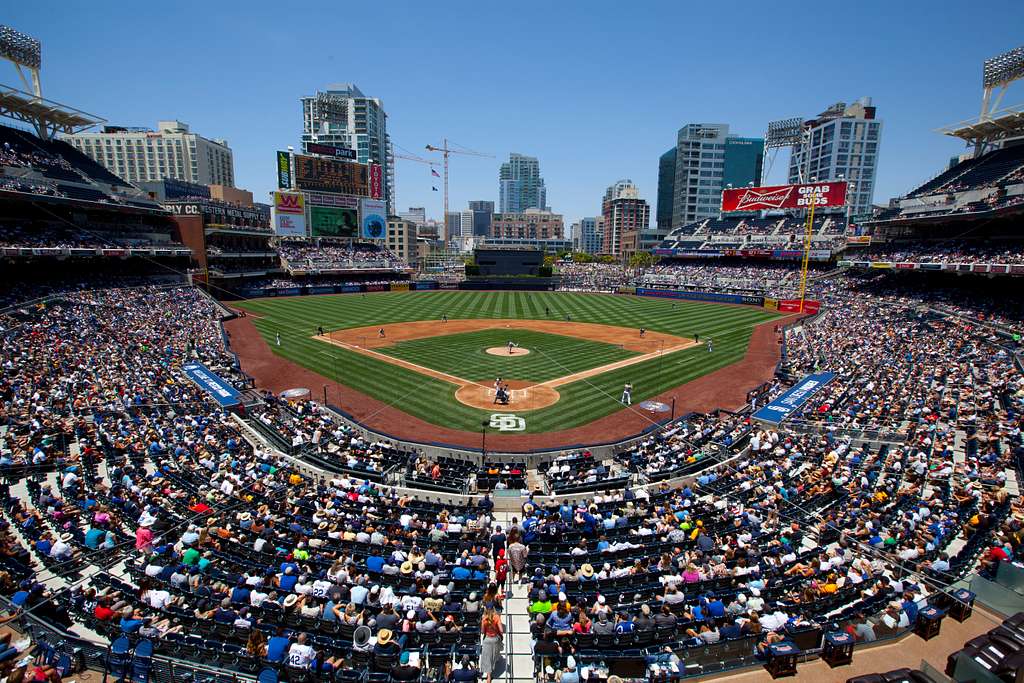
820	195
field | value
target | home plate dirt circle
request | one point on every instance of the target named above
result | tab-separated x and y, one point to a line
503	351
525	396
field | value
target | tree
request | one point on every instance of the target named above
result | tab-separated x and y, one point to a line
643	260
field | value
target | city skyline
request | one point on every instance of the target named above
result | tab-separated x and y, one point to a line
257	83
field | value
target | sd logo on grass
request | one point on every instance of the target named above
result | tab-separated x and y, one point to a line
504	422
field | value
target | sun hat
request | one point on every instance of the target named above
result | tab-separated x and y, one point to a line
384	636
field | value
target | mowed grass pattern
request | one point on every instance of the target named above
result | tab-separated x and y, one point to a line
465	355
433	400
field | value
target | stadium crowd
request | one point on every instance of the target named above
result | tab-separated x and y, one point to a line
944	252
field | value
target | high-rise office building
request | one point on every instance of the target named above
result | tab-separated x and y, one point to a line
483	216
520	186
417	215
342	116
666	188
589	234
142	155
452	225
707	159
625	216
842	143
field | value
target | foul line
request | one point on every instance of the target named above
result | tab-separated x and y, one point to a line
460	382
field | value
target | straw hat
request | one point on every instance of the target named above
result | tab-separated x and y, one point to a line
384	636
587	570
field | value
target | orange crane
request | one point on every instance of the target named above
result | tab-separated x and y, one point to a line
445	150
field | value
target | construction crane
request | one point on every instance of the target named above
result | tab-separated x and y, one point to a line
409	156
445	150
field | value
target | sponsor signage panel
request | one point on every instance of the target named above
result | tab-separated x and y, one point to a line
399	286
426	284
821	195
716	297
771	304
330	150
331	175
329	221
284	171
784	406
211	383
289	214
376	181
793	306
858	239
374	223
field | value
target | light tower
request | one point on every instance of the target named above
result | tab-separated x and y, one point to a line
29	105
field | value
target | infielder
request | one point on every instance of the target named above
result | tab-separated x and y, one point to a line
627	394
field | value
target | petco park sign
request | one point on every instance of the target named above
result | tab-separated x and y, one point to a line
821	195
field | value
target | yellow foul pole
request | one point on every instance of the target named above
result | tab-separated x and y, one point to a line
807	250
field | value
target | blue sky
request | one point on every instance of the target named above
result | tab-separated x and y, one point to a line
595	89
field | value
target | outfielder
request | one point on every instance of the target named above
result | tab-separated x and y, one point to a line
627	394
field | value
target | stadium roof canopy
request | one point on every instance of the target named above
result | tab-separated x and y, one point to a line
46	116
1000	125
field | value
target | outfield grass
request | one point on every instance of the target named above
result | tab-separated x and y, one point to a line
433	400
465	355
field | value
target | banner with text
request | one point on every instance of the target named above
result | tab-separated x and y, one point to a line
211	383
821	195
784	406
289	214
374	223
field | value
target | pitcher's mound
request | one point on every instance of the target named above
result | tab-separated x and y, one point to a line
524	398
503	351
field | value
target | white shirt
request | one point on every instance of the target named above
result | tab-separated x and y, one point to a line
300	655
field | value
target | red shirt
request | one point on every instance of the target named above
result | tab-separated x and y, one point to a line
103	613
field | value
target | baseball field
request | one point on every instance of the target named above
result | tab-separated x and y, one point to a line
564	358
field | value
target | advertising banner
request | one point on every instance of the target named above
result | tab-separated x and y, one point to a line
348	289
289	214
716	297
979	268
331	175
881	264
211	383
329	221
1003	269
771	304
822	195
399	286
820	254
426	284
376	181
929	266
326	289
284	171
905	266
783	406
376	288
374	223
1017	270
330	150
858	239
627	290
793	306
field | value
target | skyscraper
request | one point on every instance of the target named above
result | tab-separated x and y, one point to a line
520	186
483	216
590	234
343	116
625	216
707	158
666	188
843	143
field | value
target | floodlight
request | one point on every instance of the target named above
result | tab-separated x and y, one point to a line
1003	68
784	133
20	48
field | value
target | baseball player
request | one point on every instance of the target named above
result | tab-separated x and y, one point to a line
380	333
510	347
277	338
643	332
711	346
627	394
